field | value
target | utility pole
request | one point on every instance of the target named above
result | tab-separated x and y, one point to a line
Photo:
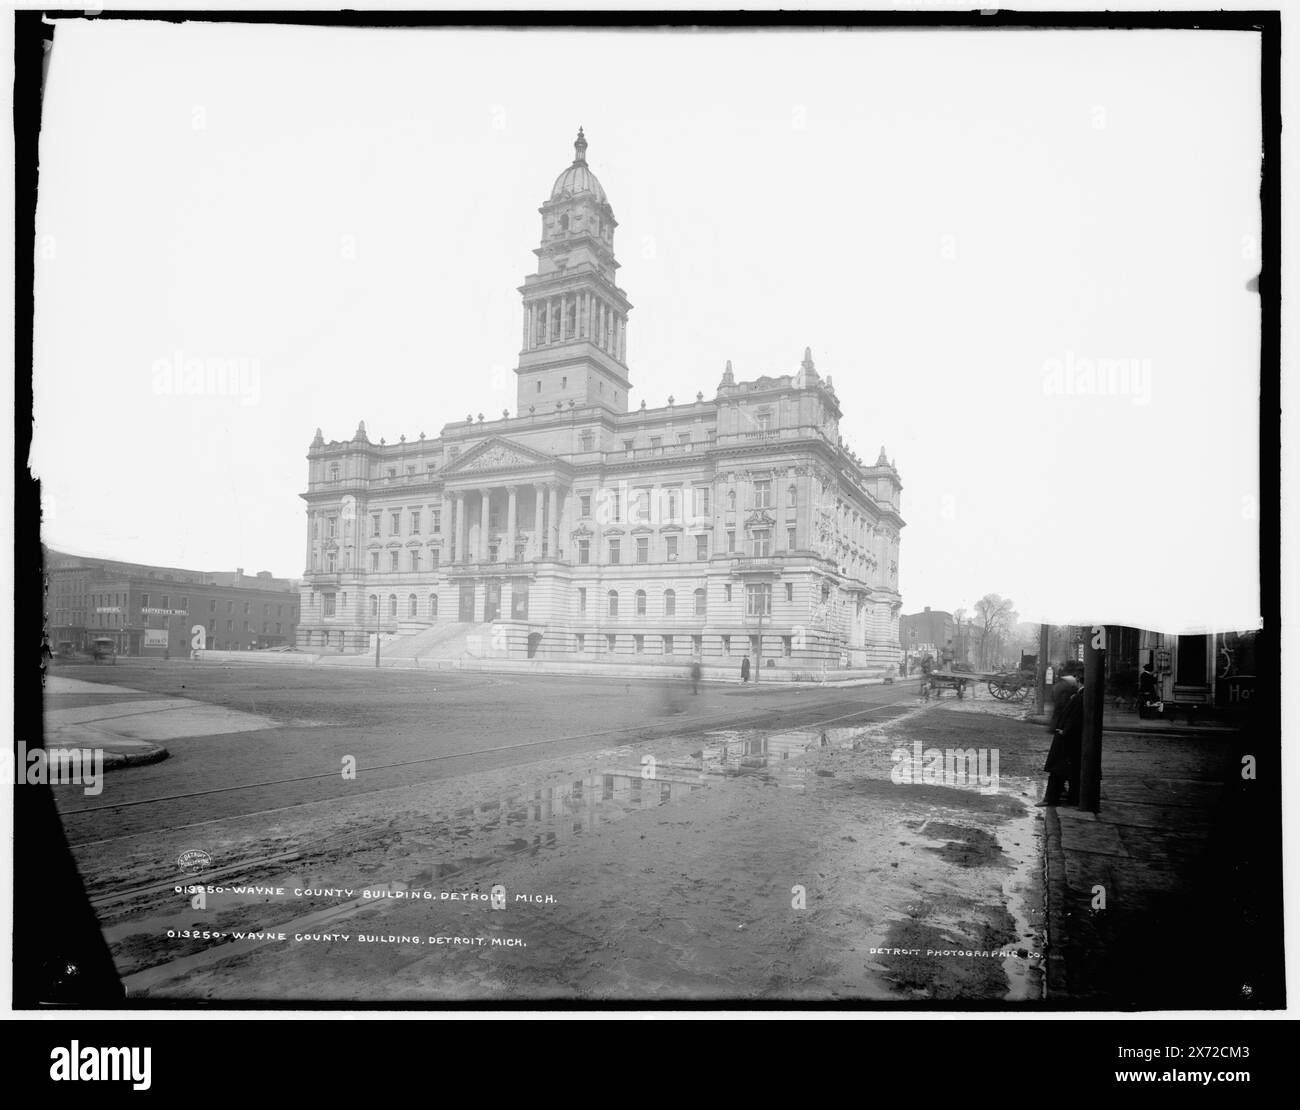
1094	689
1044	635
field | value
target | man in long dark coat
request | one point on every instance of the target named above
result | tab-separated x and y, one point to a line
1065	756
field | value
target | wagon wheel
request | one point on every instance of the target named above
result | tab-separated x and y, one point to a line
997	689
1018	691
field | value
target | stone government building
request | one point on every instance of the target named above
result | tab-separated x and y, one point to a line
582	530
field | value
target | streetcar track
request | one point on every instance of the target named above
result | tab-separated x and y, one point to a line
78	845
426	759
253	864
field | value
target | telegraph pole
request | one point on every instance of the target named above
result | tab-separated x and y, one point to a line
1094	683
1044	635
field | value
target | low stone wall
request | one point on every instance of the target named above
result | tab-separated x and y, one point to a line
287	657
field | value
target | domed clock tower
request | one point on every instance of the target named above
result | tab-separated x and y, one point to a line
575	316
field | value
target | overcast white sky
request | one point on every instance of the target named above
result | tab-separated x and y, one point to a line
954	222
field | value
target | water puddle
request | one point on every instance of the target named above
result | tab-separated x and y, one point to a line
434	848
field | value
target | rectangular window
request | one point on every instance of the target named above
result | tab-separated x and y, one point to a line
415	560
701	501
701	547
392	561
375	523
613	551
697	644
327	607
656	445
611	641
640	507
144	601
436	526
668	645
396	522
581	642
374	560
279	628
643	549
584	551
582	601
627	447
639	641
758	599
763	493
789	591
790	539
415	523
726	645
212	605
616	507
787	646
670	548
230	626
588	441
731	541
726	592
762	542
433	558
584	504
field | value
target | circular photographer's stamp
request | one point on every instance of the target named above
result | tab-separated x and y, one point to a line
193	859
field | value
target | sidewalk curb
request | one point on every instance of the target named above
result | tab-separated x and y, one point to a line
155	753
1056	979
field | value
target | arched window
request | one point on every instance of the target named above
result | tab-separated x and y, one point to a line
791	497
392	605
334	473
613	603
374	605
433	607
701	603
640	603
731	499
412	606
670	603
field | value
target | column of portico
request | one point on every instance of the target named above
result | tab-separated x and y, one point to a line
457	527
539	513
484	496
553	523
511	509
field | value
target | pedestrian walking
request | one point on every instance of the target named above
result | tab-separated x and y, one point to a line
695	677
744	669
1148	691
947	657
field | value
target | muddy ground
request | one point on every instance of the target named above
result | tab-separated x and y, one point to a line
740	865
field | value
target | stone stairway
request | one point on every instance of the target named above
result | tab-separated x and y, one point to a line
448	640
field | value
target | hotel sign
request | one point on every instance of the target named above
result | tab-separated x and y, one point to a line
167	612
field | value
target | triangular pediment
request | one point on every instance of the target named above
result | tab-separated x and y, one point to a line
498	454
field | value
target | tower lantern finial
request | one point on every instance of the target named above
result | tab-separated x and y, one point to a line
579	148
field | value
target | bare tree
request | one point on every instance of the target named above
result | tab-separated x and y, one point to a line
994	614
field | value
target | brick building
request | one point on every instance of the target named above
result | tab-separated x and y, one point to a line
153	611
